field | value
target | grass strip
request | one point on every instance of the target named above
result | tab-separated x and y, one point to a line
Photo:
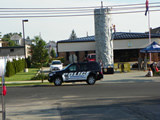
23	76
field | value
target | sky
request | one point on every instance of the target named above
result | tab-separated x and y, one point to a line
60	28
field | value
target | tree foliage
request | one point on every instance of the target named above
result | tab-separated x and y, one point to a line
15	66
0	35
73	35
7	37
39	52
10	71
53	53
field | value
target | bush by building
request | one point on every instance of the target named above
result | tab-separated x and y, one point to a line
10	70
15	66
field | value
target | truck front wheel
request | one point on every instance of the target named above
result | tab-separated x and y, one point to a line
58	81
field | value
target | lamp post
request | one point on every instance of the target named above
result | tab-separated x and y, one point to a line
25	70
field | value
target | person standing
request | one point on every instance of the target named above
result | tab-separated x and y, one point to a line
145	63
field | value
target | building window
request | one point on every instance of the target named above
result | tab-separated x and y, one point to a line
126	55
11	50
67	56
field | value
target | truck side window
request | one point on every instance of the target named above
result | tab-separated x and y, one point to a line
83	67
73	68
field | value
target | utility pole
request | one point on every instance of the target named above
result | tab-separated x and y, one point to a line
3	102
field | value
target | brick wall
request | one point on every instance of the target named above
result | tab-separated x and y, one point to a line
82	56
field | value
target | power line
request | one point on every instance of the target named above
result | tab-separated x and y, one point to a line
74	15
48	10
87	7
47	13
132	8
46	16
132	5
134	12
73	11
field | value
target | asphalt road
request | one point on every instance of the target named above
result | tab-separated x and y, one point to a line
122	101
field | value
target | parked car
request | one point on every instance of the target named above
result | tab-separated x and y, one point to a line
91	57
76	72
56	65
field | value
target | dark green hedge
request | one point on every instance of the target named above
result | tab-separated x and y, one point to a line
15	66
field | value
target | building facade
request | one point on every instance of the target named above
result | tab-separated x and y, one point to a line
126	46
5	50
17	39
3	43
12	51
51	45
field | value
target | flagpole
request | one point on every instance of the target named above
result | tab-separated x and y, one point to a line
149	33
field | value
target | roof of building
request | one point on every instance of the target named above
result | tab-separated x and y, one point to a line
116	36
15	37
155	30
11	47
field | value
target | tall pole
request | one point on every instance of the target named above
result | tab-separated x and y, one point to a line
147	11
149	34
4	90
3	102
24	42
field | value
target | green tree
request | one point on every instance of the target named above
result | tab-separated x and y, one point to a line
39	52
7	37
0	35
10	70
28	38
12	43
73	35
53	53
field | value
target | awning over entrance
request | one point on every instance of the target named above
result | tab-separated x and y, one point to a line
152	48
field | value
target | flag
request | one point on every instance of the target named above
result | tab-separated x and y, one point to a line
4	89
147	7
4	92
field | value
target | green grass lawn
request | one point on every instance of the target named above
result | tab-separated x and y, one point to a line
23	76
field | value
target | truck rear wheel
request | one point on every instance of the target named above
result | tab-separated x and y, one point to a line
91	80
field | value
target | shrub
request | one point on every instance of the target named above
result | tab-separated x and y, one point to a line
10	70
40	76
28	62
13	67
157	74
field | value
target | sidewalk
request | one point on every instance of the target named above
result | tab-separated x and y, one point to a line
117	77
129	77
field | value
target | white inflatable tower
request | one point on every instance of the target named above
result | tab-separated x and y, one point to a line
103	38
